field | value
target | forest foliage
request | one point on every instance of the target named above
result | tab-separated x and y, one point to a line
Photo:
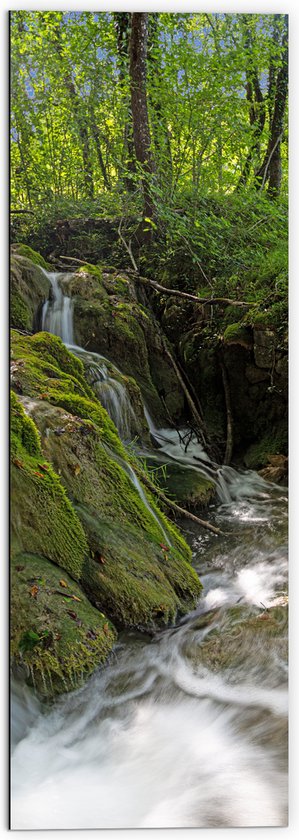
175	124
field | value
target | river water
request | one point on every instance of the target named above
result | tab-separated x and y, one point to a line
188	728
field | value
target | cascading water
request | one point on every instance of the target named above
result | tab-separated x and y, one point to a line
188	729
57	314
182	447
57	318
113	395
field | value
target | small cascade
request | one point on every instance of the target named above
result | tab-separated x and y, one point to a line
142	495
183	447
102	375
57	314
179	446
57	318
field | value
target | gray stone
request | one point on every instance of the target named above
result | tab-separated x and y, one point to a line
264	347
255	375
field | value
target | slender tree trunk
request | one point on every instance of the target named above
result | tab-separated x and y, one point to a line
257	110
270	169
97	141
80	119
141	129
122	22
160	129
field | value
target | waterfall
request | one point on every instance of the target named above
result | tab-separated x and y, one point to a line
180	446
57	314
102	375
57	318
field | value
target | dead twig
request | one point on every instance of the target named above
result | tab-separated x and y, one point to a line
173	506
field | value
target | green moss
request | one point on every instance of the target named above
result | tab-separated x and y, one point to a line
36	258
50	372
145	585
136	581
20	315
187	487
42	519
24	433
237	334
276	443
95	270
275	316
59	640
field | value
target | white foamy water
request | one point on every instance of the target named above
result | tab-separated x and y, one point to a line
57	314
152	743
157	739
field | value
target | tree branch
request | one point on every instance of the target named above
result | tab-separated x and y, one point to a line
186	295
173	506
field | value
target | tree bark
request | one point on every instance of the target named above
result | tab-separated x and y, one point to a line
270	169
141	129
97	141
229	417
257	110
80	120
122	22
161	135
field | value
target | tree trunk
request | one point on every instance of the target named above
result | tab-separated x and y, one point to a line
97	141
122	22
141	129
80	120
161	135
257	110
271	167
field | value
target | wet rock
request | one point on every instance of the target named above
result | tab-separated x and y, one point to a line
73	495
255	375
277	469
264	347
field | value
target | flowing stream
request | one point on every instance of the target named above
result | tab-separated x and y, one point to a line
189	728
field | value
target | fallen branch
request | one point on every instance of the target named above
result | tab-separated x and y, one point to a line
173	506
72	259
127	247
23	211
186	295
192	406
163	289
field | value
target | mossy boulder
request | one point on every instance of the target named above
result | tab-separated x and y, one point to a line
110	320
188	487
238	334
119	531
57	637
43	520
33	256
271	444
240	633
29	289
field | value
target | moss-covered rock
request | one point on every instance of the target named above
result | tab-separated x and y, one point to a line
110	320
29	289
43	520
188	487
259	453
57	636
33	256
238	334
136	582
